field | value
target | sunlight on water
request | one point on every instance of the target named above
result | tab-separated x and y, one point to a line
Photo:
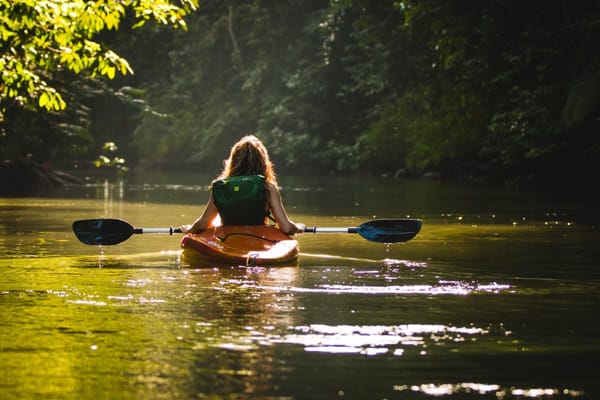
364	340
444	288
87	302
375	339
439	390
390	262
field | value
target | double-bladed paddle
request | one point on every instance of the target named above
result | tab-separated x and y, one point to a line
109	231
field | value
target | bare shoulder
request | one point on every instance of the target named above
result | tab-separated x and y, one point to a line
271	188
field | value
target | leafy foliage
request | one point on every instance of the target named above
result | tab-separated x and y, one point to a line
44	36
483	90
44	45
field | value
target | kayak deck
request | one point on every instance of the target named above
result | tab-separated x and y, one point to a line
246	245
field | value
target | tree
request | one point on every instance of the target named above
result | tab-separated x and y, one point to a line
245	67
497	93
42	38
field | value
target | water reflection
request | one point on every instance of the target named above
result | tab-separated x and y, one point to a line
491	301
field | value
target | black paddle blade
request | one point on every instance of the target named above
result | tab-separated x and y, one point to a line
390	230
102	231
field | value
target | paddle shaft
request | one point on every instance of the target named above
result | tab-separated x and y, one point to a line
330	230
306	230
170	231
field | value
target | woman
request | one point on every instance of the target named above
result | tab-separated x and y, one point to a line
248	158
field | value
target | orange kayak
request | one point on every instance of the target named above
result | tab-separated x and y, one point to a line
240	245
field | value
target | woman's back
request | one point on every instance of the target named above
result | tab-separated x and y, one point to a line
241	200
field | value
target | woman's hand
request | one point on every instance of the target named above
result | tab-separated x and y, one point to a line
185	228
299	227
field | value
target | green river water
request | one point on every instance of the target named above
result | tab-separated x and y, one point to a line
496	298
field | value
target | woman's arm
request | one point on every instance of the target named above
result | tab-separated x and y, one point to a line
278	210
205	220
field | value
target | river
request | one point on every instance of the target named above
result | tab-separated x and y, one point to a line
496	298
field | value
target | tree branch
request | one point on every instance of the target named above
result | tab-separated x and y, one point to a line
237	54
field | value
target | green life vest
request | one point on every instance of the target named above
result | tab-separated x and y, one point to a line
241	199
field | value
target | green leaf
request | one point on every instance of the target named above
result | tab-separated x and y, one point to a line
44	100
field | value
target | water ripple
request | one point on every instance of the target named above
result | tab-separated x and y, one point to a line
373	339
448	389
443	288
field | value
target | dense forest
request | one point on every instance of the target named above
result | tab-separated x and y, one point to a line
494	90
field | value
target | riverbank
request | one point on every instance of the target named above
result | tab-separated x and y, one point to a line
23	177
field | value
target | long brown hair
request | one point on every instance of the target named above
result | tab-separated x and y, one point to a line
249	156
